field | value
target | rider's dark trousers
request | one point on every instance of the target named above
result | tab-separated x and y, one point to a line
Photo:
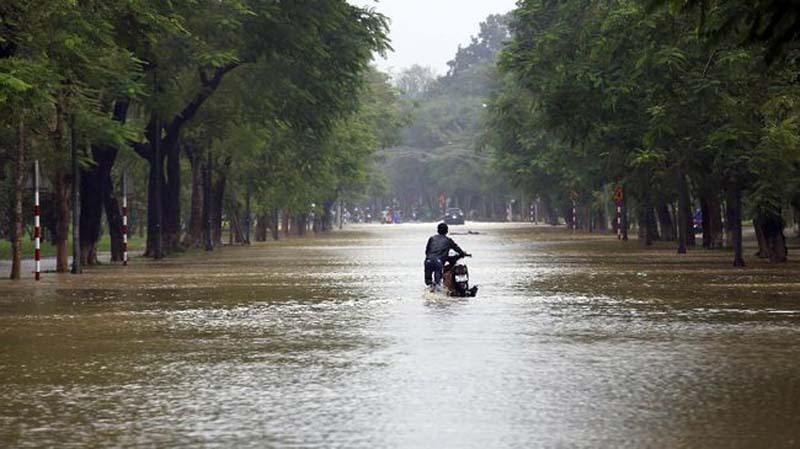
433	268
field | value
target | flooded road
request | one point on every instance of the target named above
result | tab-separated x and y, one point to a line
332	342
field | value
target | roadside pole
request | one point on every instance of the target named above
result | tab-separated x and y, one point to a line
124	219
574	216
619	196
573	195
37	228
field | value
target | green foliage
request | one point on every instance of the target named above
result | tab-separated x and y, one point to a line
280	94
598	93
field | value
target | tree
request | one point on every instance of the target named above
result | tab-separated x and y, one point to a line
311	52
622	95
416	82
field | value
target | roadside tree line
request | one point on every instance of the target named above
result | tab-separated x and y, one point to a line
681	103
235	109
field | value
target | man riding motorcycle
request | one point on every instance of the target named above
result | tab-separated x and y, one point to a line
437	253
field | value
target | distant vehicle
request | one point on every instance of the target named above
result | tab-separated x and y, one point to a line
454	216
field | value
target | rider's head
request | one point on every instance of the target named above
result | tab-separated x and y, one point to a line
442	228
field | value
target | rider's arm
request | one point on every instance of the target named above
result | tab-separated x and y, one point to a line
428	246
457	248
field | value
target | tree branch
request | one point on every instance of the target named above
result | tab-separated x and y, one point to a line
209	86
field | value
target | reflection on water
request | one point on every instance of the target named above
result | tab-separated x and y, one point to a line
334	342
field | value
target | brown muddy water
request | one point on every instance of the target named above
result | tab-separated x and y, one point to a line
332	342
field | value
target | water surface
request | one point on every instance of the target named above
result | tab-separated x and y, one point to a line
332	342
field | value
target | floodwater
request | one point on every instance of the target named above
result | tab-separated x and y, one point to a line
332	342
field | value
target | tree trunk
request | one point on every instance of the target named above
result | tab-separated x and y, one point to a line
300	225
77	265
735	223
648	231
772	238
286	218
248	218
194	238
237	229
665	222
601	222
316	224
327	215
62	203
762	252
262	226
796	214
652	225
61	189
114	218
691	239
704	213
274	219
208	206
91	210
19	186
683	215
218	196
714	222
163	141
235	220
730	217
97	192
172	200
641	220
549	211
155	185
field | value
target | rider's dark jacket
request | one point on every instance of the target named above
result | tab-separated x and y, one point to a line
439	247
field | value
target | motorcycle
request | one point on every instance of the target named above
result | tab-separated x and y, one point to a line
455	277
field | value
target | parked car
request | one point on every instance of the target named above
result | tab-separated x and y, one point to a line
454	216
